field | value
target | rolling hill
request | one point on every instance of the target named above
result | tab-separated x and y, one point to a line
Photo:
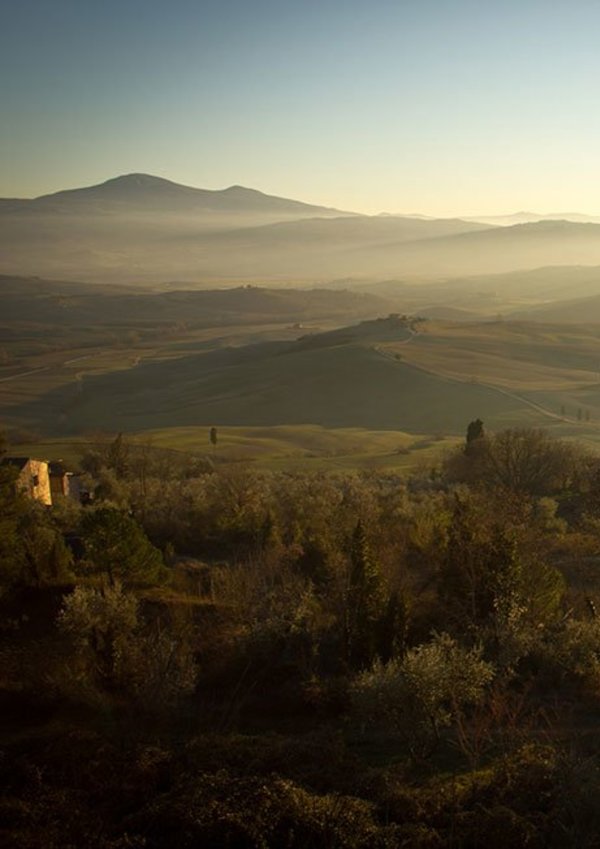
572	311
338	379
512	294
59	304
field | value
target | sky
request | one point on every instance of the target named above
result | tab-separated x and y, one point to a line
441	107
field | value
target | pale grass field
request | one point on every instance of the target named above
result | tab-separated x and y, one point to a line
522	357
293	448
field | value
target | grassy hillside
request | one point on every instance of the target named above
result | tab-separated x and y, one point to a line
285	447
397	374
43	320
554	368
340	379
512	355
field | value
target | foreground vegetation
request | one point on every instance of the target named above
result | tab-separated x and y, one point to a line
213	655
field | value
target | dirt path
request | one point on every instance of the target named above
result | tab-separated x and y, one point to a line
27	373
54	367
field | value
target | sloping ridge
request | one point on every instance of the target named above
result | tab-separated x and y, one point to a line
342	382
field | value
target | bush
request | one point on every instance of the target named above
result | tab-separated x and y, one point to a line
253	813
419	695
115	652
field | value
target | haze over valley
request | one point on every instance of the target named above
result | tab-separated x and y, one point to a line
146	230
142	305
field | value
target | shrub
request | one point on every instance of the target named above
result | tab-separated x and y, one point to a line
115	652
419	695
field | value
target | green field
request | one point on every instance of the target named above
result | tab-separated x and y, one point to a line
346	385
555	369
512	355
298	447
280	392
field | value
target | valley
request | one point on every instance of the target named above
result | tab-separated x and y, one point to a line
142	230
288	376
319	321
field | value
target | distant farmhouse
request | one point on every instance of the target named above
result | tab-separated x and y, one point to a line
42	480
33	479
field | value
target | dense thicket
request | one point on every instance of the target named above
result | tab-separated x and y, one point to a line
217	657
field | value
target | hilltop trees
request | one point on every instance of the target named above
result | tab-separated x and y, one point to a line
529	460
523	460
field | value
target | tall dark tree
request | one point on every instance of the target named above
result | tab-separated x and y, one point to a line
117	456
482	569
313	562
363	602
475	432
393	628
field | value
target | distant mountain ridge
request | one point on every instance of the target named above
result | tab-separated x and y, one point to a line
533	218
142	229
145	191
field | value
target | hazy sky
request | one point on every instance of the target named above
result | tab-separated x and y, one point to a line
431	106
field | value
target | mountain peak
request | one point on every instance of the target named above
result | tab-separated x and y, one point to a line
137	179
126	188
146	192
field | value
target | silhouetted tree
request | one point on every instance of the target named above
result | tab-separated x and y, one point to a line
363	602
118	456
393	627
475	432
481	569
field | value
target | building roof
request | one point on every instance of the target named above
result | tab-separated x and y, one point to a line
56	468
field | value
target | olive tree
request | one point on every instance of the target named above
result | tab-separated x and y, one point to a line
417	696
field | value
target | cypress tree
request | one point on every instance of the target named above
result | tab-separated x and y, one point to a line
363	602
